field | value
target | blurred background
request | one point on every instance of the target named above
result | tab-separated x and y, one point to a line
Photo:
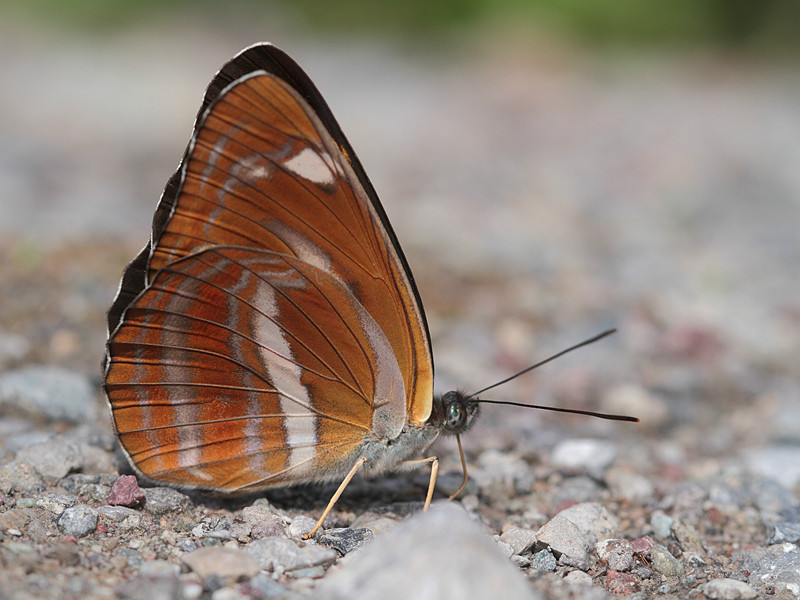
551	167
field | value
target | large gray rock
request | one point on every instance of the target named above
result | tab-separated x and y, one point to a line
438	555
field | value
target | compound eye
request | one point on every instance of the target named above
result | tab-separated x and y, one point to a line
455	416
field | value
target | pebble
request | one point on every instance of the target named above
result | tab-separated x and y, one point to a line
270	526
78	521
780	462
437	555
585	455
661	524
784	531
664	562
284	554
617	554
630	399
728	589
574	531
126	492
20	477
578	578
116	514
52	459
50	392
143	587
542	562
300	526
635	488
622	583
161	500
55	503
262	586
519	539
777	566
344	540
228	564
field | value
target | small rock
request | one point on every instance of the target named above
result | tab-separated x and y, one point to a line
300	526
116	514
780	462
52	459
253	514
55	503
161	500
622	583
777	566
519	539
229	564
262	586
377	524
661	523
20	477
543	562
617	554
632	487
628	399
144	587
587	455
50	392
270	526
664	562
574	490
578	578
728	589
126	492
643	546
78	521
288	555
574	531
438	554
344	540
784	531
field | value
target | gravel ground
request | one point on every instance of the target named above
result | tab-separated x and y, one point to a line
541	194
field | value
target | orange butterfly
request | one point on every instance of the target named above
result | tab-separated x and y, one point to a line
271	334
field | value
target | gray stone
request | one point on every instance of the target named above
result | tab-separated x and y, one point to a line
438	555
284	554
160	500
578	578
78	521
585	455
344	540
664	562
228	564
784	531
519	539
55	503
300	526
574	531
777	566
617	554
262	586
728	589
20	477
50	392
116	514
543	562
661	523
778	462
52	459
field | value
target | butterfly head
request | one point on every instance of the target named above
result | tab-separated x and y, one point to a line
454	412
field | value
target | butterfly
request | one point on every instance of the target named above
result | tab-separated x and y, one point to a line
270	333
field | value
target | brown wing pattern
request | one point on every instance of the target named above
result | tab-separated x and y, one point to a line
210	347
245	369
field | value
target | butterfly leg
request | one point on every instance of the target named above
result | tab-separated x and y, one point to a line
434	462
359	463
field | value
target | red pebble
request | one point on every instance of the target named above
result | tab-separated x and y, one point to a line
126	492
621	583
643	545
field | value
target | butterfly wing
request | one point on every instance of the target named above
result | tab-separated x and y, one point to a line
269	176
